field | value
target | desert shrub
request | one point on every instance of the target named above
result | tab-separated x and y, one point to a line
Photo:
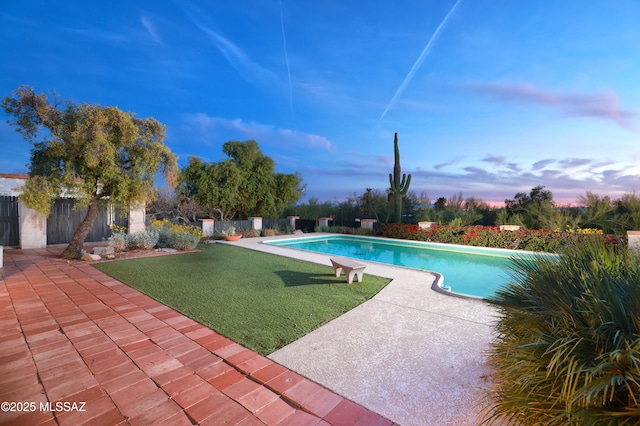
118	242
180	237
249	233
567	350
163	228
268	232
184	237
143	240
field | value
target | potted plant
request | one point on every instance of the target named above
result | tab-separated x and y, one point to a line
229	232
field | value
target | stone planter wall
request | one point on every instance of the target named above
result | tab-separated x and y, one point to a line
367	223
426	225
633	240
324	221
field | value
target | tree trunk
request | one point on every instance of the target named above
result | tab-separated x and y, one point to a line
74	249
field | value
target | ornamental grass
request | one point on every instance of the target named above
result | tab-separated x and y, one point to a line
567	350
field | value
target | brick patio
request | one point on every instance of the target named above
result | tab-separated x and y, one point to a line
69	333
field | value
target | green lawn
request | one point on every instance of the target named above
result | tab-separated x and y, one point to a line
259	300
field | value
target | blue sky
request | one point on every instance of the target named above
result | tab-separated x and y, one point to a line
489	98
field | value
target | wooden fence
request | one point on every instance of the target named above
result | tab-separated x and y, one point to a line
9	221
64	220
61	223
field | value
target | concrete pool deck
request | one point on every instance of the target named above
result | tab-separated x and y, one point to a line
413	355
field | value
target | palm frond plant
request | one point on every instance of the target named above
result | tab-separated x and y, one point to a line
567	350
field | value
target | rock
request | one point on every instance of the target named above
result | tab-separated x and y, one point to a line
168	250
102	250
90	257
298	231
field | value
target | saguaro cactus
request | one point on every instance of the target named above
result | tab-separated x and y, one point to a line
399	186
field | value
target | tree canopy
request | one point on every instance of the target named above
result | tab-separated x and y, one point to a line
89	152
244	184
531	209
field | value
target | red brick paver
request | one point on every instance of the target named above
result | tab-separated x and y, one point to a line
78	347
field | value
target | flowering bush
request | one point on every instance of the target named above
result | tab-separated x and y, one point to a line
582	230
492	236
180	237
163	228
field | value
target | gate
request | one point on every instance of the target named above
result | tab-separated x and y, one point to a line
9	221
64	220
306	225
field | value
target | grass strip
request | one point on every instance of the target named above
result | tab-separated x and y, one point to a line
259	300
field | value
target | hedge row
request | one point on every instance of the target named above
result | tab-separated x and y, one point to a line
492	236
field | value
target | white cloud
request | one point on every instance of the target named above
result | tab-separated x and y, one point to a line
151	28
263	133
604	105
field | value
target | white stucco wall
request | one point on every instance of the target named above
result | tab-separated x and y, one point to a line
137	218
10	184
33	228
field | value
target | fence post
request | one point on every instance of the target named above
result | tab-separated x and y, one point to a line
367	223
292	221
208	227
136	218
324	221
33	228
256	223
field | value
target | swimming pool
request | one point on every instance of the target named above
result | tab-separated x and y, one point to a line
467	270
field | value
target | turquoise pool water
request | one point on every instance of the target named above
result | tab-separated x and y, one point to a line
470	271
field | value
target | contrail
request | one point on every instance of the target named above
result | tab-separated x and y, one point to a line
419	62
286	58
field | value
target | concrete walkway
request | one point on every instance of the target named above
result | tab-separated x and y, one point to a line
411	354
78	347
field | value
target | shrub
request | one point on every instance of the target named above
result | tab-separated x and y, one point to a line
228	229
180	237
568	339
143	240
118	242
184	237
343	230
249	233
492	236
163	228
268	232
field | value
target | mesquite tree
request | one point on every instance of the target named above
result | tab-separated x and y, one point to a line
244	184
399	186
89	152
